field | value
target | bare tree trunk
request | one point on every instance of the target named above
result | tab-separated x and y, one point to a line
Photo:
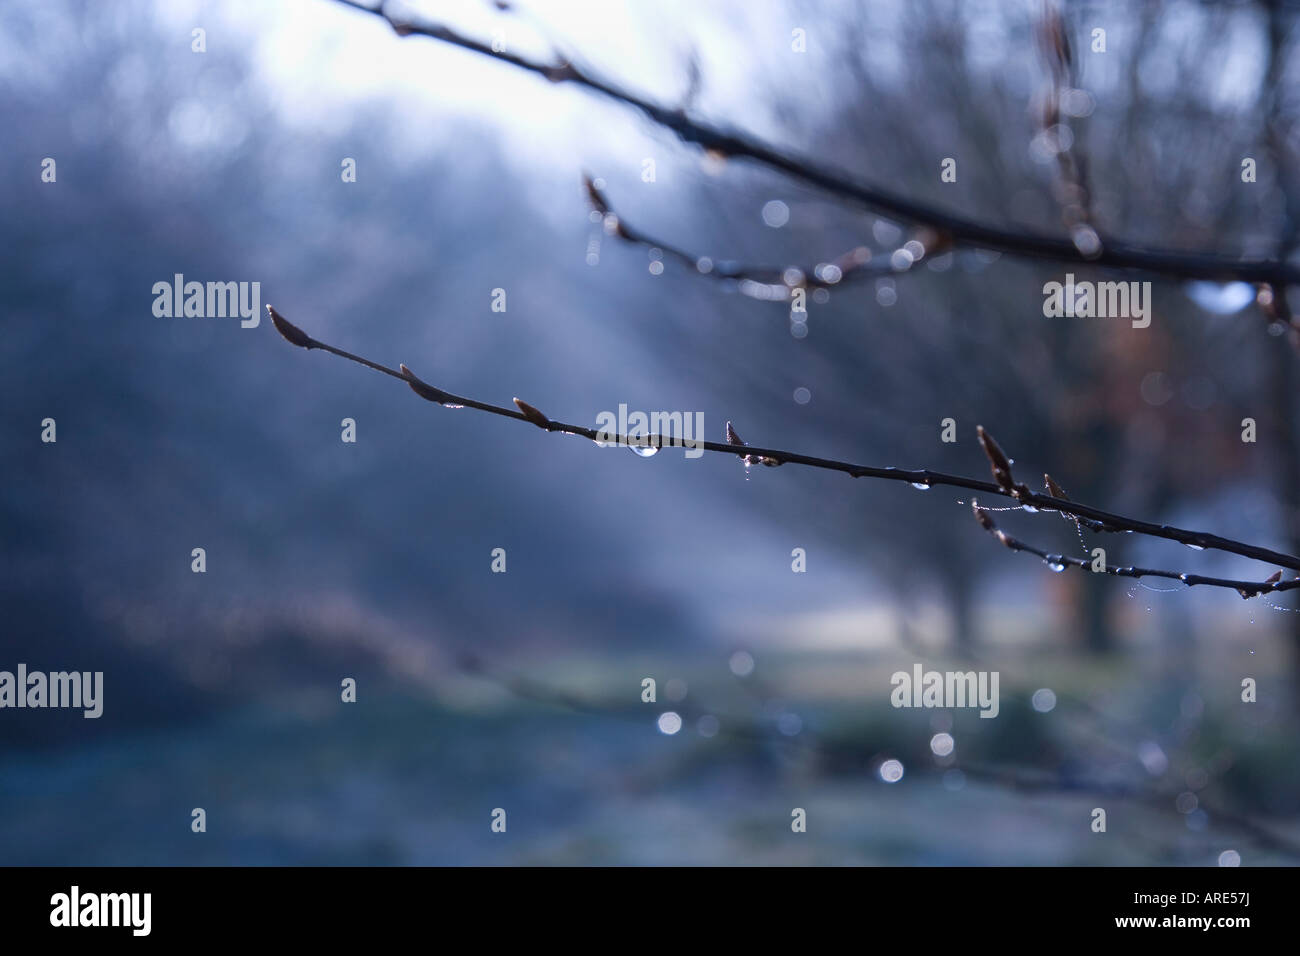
1282	378
1281	435
960	589
1094	621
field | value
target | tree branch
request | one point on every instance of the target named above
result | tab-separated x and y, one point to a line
773	282
1005	486
729	143
1059	562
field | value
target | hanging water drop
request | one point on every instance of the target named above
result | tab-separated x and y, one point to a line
1196	547
1055	562
647	451
920	486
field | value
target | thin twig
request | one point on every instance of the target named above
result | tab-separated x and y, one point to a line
1071	166
775	282
1247	589
729	143
1005	487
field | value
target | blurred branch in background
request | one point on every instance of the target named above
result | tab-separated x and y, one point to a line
775	283
726	143
1072	189
837	749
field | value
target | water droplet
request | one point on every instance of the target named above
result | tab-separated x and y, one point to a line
1077	103
920	486
1154	759
640	451
1196	547
901	260
1029	508
776	213
829	273
1055	563
669	723
1086	240
789	724
741	663
886	233
1220	298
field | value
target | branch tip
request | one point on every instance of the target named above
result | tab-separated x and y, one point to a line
999	462
1055	490
291	332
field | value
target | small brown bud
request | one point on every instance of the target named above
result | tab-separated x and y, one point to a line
999	462
532	414
423	389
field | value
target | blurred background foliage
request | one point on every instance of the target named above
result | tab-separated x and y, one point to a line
522	690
